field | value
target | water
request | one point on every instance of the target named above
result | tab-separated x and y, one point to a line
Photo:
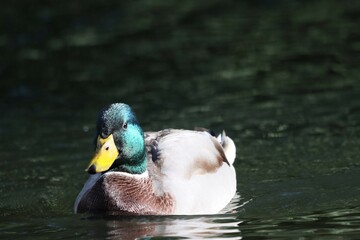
280	77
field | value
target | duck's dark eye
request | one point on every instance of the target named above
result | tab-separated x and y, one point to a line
125	125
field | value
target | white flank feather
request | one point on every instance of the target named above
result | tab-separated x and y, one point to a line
196	191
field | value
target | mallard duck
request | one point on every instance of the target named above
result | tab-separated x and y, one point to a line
169	172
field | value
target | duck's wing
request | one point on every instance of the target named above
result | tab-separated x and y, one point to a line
194	168
189	152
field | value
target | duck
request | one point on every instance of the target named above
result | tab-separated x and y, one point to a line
166	172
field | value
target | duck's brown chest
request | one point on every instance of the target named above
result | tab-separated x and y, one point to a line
123	195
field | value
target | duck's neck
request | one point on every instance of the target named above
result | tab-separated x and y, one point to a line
137	165
134	169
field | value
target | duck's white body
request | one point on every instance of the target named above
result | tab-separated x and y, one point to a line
195	172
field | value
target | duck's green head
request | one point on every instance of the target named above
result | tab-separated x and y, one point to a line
120	142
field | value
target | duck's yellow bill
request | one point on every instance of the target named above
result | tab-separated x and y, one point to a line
106	153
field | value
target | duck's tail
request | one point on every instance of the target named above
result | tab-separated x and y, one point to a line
228	146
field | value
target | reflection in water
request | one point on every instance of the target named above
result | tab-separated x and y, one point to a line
186	227
175	226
